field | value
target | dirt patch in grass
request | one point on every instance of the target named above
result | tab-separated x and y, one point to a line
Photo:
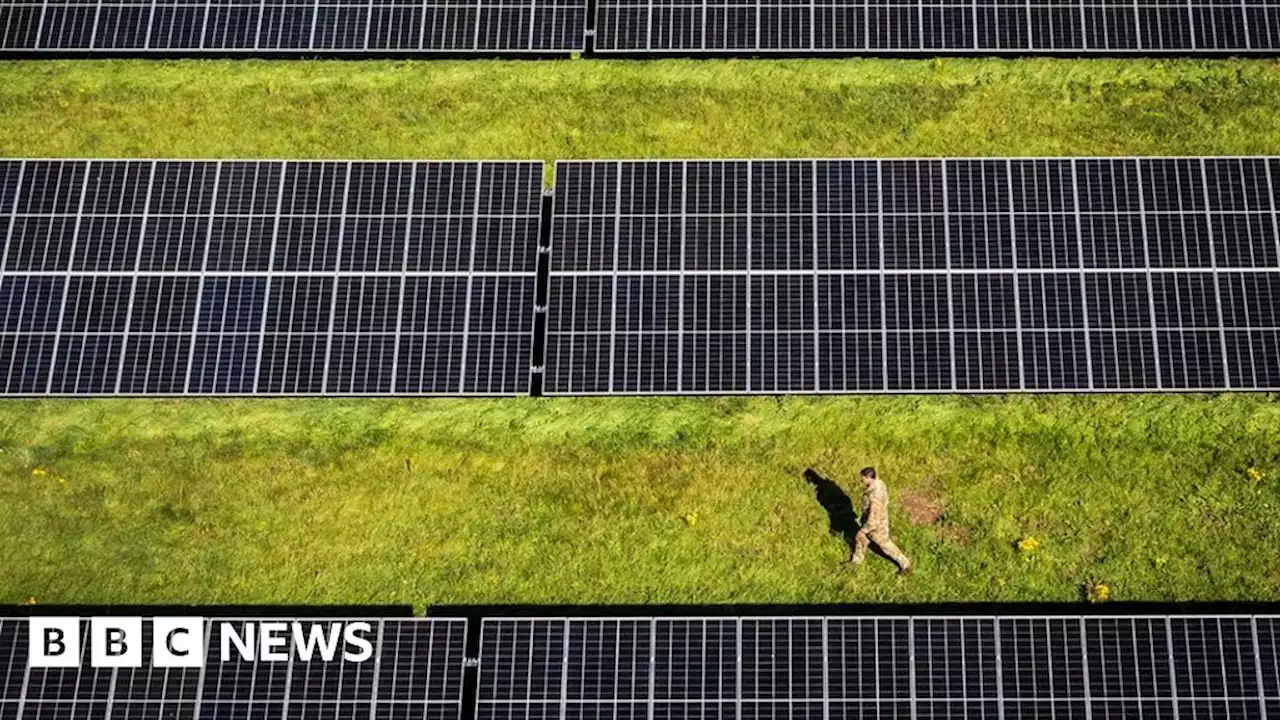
953	534
923	504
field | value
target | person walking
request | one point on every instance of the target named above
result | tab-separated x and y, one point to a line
875	524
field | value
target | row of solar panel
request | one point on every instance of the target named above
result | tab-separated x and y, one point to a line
811	661
914	275
171	277
628	26
714	667
206	277
415	674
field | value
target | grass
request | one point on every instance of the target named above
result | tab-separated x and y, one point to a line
597	109
595	500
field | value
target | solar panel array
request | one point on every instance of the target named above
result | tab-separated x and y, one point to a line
938	26
815	668
801	276
267	278
327	27
640	26
416	674
161	277
700	668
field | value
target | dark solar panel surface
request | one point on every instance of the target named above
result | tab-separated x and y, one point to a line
287	26
268	278
696	668
891	667
416	672
797	276
939	26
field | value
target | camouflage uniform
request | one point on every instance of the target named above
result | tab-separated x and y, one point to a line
875	527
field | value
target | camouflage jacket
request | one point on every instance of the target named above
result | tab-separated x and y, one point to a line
875	503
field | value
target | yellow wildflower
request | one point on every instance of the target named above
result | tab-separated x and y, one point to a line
691	519
39	472
1097	592
1028	545
1255	475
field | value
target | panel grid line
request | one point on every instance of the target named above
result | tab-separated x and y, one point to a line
204	266
946	234
333	295
111	692
71	260
1257	666
198	705
617	239
999	661
404	277
750	252
817	324
204	23
1248	45
471	269
271	266
911	666
1217	284
26	685
1146	249
564	665
884	290
377	665
653	665
12	219
1173	667
1017	290
738	672
1084	665
826	671
1084	285
133	287
97	17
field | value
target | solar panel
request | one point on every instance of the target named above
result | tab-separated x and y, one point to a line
266	27
164	277
416	672
949	275
849	668
937	26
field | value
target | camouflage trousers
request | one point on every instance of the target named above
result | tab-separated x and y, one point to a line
883	541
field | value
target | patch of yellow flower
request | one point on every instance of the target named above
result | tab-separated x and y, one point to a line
39	472
29	601
1027	546
691	519
1255	475
1097	592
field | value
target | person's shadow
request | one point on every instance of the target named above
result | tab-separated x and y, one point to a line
840	511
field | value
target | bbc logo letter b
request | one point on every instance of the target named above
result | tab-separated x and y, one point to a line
53	642
115	641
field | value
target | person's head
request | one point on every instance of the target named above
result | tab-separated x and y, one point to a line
868	475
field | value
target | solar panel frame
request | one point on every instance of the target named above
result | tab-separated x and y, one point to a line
425	659
293	27
943	666
225	228
963	27
1104	350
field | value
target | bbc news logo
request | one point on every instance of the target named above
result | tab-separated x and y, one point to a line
178	642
